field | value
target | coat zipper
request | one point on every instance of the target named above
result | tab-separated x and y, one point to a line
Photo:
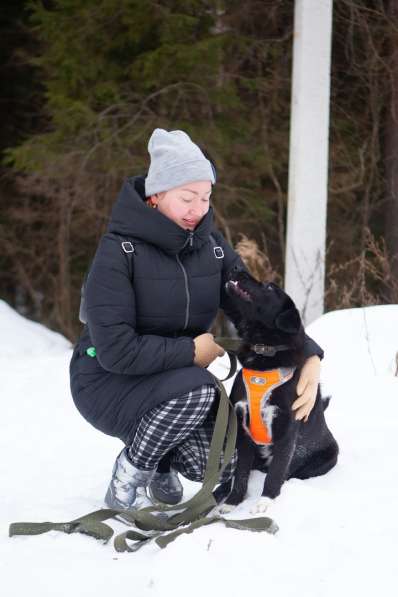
190	241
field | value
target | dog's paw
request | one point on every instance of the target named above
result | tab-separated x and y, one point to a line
225	508
261	505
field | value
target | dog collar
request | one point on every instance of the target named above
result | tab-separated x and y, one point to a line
268	351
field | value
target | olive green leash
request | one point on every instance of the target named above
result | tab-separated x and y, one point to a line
190	515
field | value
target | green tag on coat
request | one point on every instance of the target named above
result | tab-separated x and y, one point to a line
91	351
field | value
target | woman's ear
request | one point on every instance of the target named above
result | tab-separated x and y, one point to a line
154	199
288	321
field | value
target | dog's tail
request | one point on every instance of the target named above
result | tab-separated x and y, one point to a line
325	401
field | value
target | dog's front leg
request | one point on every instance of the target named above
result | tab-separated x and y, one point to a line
283	451
246	454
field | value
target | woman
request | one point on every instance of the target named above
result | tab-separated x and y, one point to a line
138	371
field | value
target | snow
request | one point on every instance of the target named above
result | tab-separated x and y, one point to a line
337	533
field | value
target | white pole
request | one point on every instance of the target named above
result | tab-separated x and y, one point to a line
308	158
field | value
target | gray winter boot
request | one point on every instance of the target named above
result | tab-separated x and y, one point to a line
166	488
127	489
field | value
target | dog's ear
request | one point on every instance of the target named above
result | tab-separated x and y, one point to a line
289	321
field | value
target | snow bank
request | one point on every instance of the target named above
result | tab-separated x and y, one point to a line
337	533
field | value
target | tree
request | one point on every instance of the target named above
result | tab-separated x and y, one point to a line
391	150
173	64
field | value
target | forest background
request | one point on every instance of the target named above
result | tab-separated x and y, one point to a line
84	83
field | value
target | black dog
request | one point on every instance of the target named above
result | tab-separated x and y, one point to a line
272	339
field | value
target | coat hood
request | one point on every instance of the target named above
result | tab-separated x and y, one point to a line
131	217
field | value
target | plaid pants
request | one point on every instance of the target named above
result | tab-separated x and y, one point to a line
178	433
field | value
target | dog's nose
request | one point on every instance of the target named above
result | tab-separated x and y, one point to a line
236	269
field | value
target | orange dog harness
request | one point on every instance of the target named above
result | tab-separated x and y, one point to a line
259	387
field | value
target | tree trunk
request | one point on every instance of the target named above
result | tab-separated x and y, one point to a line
391	152
63	299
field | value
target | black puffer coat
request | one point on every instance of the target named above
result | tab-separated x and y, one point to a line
143	328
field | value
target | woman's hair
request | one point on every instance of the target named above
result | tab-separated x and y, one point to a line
212	162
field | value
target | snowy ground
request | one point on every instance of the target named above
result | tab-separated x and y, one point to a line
338	533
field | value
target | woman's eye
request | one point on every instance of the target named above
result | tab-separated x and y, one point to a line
189	199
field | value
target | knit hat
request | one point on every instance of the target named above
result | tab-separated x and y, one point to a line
175	160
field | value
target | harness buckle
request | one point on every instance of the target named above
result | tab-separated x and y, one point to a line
263	349
127	246
218	252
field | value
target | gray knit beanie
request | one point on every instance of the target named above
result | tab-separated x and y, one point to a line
175	160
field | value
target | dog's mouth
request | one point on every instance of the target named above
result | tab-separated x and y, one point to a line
234	286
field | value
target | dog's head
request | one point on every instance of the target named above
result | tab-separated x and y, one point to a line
268	314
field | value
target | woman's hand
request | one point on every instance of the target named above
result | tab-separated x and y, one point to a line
307	388
206	350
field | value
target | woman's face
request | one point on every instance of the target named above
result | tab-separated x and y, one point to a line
185	205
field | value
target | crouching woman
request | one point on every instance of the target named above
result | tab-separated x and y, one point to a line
138	371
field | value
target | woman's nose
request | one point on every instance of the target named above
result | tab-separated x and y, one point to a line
196	211
198	206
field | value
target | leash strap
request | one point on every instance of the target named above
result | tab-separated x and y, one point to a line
192	513
230	346
233	365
